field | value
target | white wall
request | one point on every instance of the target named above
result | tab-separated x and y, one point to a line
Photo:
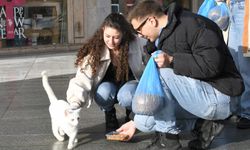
95	12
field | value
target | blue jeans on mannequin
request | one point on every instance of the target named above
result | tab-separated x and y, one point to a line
187	98
242	63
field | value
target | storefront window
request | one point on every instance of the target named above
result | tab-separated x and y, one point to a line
32	22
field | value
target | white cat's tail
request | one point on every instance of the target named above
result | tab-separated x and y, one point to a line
48	89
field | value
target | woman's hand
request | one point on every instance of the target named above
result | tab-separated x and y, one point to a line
127	129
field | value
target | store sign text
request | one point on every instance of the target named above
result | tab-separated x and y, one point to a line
17	22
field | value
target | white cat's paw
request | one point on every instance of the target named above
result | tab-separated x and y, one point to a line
70	146
60	139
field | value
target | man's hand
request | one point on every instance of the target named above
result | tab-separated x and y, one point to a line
127	129
162	59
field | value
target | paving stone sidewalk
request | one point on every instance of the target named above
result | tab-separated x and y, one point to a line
25	121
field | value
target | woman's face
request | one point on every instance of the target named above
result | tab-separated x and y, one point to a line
112	37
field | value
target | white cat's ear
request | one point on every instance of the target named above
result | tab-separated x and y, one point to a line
75	105
68	111
78	110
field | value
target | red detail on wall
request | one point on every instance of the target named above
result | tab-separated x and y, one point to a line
9	7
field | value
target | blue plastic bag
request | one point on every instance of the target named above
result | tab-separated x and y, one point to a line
149	94
220	15
206	6
217	11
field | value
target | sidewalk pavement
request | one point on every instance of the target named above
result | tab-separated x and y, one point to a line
25	121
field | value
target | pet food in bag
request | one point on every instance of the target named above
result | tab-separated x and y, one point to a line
220	15
149	94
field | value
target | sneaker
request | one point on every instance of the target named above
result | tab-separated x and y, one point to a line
111	120
243	123
164	141
205	130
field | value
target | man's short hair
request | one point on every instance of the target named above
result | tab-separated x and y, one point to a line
145	8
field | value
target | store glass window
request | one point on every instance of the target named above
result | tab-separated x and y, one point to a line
32	22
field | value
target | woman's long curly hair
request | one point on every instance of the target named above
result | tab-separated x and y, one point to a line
95	46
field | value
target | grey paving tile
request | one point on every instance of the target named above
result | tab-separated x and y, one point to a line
25	140
232	144
25	126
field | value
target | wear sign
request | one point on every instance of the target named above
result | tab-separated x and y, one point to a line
11	18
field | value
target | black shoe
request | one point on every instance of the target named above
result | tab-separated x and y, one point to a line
233	118
111	120
164	141
205	130
243	123
127	117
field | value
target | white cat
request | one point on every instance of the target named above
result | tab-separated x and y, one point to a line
64	120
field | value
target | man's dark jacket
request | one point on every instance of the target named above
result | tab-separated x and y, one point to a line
199	51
